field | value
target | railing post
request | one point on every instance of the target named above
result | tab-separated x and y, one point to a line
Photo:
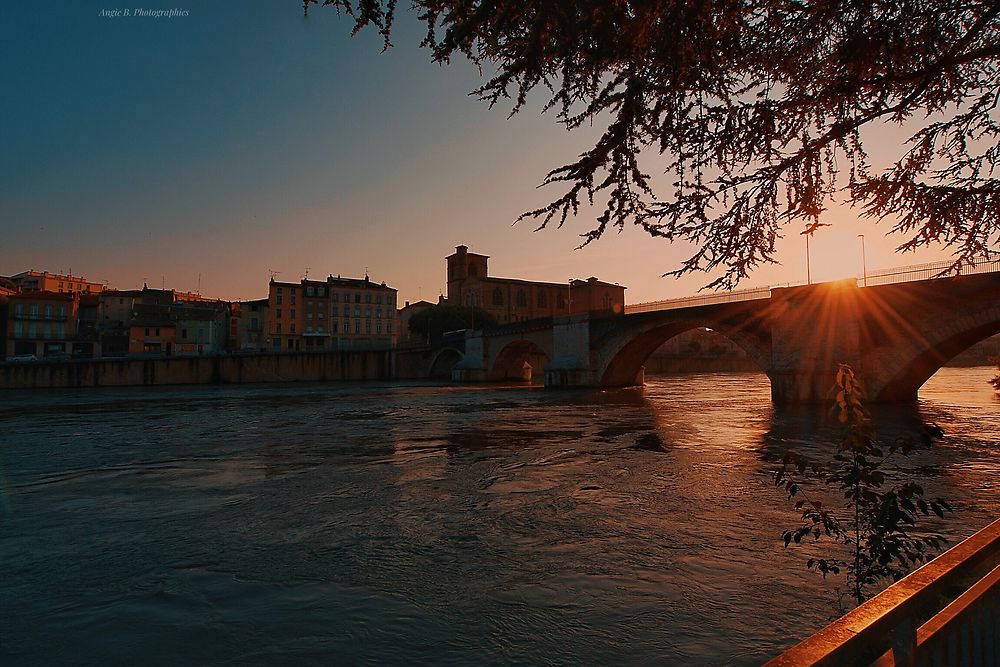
904	642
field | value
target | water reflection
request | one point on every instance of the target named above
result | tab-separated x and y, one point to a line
405	523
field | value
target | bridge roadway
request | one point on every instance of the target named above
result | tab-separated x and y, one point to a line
895	336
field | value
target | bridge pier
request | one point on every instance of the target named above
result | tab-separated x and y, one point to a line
572	363
472	367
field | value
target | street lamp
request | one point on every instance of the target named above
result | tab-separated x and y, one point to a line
864	261
807	232
569	297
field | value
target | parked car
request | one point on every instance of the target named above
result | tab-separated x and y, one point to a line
22	357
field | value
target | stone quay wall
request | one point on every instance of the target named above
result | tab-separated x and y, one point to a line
225	369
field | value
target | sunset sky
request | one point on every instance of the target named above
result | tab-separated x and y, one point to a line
243	139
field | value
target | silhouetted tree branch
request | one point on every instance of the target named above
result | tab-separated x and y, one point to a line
754	109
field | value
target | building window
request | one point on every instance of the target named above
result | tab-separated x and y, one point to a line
522	298
333	326
357	311
543	301
607	301
378	327
378	313
293	297
19	309
292	314
336	297
277	328
357	298
357	326
277	299
560	301
497	297
368	311
368	298
473	270
184	333
291	328
18	329
157	331
378	299
147	331
309	291
309	316
368	326
277	313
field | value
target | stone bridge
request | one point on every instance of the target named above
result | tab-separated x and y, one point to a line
894	336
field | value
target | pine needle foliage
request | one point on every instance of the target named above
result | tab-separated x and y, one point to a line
756	112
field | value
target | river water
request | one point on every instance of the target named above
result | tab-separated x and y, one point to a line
408	524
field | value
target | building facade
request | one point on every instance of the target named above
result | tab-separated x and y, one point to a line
43	281
333	314
41	324
248	325
514	300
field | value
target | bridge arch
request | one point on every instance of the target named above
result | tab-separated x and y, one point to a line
907	368
519	359
623	355
443	361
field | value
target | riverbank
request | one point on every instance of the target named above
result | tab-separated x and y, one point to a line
214	370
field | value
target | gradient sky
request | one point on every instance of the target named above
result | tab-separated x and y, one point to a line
243	139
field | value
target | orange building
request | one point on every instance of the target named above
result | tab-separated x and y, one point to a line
514	300
41	324
43	281
333	314
151	331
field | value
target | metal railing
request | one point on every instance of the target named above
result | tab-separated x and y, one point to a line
900	274
905	274
883	631
704	300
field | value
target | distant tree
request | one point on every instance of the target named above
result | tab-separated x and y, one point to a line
754	109
877	520
438	320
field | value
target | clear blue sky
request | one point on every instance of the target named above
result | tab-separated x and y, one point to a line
244	138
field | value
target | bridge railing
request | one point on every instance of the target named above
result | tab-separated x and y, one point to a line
904	274
900	274
704	299
883	631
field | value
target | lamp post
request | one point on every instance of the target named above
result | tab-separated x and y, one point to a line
807	232
864	261
569	297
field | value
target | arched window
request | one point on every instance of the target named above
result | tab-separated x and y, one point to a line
543	300
497	297
522	298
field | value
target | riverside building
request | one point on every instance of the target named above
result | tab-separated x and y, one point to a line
333	314
514	300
